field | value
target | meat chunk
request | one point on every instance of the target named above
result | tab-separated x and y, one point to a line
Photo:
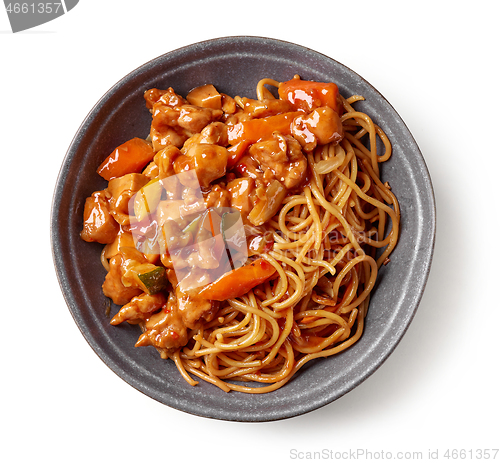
174	125
217	197
206	96
194	118
151	170
98	223
207	252
240	193
121	190
164	159
164	135
168	328
123	239
208	161
172	237
167	97
322	126
140	308
213	134
192	307
283	157
165	329
228	104
113	286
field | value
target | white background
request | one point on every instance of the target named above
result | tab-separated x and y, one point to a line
437	64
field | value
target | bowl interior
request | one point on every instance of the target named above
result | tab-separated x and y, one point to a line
235	65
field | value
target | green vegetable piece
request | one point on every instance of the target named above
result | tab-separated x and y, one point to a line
153	281
233	231
192	226
147	198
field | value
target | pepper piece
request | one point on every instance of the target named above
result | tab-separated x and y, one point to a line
130	157
239	281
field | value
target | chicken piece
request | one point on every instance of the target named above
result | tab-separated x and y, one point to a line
123	239
193	197
165	329
241	194
208	161
192	307
113	286
205	96
172	237
152	96
140	308
268	201
162	136
180	210
266	107
174	260
213	134
171	219
121	190
168	328
165	160
174	125
321	126
207	252
194	118
167	97
151	170
217	197
164	128
238	116
172	277
98	223
131	259
228	104
283	156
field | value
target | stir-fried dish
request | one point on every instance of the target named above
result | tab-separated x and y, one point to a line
244	236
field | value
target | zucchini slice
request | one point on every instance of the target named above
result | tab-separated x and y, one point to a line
151	278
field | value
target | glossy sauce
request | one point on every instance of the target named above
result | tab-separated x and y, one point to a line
307	95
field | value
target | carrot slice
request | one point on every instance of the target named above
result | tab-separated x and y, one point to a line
130	157
256	130
236	152
239	281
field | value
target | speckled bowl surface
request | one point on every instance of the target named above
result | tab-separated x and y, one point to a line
235	65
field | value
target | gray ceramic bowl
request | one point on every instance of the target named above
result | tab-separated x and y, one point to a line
234	65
